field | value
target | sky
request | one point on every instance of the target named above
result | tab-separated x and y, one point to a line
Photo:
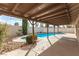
10	20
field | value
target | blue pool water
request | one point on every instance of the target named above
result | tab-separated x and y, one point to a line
41	35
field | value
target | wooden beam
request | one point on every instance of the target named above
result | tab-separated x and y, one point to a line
53	15
49	11
36	9
54	21
44	8
74	11
77	20
54	29
74	7
58	21
14	8
68	12
5	12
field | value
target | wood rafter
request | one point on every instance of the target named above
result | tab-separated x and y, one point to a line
53	15
5	12
68	12
14	8
49	11
36	9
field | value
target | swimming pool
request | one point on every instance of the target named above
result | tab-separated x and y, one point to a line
41	35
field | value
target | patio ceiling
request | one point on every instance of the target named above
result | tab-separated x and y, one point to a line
52	13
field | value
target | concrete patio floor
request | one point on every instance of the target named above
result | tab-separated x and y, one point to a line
59	45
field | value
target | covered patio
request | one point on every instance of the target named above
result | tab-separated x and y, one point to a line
50	13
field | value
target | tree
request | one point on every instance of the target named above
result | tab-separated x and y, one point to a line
16	24
24	26
46	25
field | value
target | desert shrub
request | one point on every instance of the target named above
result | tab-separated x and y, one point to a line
31	39
19	32
3	28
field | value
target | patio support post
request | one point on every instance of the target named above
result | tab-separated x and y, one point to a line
48	35
57	28
32	23
54	29
33	32
64	29
47	31
33	28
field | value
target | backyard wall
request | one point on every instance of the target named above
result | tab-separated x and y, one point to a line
12	31
44	29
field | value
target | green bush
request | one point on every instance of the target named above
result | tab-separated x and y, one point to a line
2	32
31	39
19	32
24	26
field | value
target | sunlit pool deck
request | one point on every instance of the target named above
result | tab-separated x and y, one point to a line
62	44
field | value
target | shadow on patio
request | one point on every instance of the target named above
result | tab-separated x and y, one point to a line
28	48
64	47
